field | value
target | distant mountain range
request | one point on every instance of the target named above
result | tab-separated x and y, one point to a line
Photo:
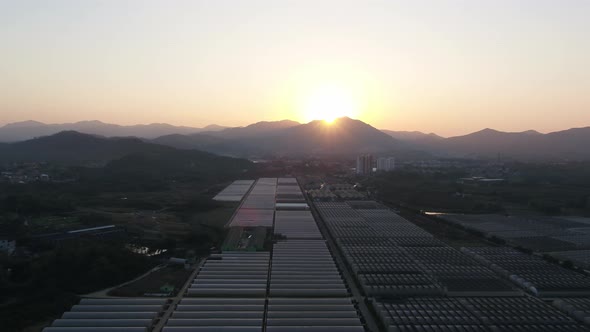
289	138
73	147
20	131
528	145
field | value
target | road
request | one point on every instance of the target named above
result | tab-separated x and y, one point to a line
104	292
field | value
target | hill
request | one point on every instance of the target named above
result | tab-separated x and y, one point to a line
195	141
71	147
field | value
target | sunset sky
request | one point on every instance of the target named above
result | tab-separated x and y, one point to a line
449	67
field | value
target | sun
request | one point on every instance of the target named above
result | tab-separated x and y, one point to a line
329	103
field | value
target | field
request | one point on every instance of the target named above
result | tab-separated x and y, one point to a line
448	233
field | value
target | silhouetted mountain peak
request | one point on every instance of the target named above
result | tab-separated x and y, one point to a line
91	122
486	131
347	120
24	124
68	134
214	127
273	124
531	132
255	129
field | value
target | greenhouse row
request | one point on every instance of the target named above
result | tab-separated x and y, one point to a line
304	268
579	308
393	257
296	225
312	314
473	314
217	314
113	315
287	181
227	294
257	208
237	273
545	234
581	257
252	218
262	195
293	220
289	195
235	191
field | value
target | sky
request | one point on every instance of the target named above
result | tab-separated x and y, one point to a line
449	67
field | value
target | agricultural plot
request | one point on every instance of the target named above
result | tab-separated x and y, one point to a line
393	257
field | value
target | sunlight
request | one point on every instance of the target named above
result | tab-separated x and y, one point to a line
329	103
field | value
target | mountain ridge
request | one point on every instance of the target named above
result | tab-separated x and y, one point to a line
525	145
24	130
347	136
344	136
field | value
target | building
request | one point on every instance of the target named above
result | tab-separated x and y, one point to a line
385	164
364	164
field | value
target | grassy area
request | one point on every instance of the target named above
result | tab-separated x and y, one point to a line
217	218
53	223
153	282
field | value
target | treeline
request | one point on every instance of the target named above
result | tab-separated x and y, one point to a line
550	189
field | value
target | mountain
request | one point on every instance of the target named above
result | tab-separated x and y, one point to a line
254	130
344	136
527	145
24	124
213	127
20	131
411	136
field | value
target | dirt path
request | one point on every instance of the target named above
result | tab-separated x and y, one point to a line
104	292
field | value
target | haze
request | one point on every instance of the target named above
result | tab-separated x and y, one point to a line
449	67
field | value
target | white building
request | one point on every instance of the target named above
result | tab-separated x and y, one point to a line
364	164
385	164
